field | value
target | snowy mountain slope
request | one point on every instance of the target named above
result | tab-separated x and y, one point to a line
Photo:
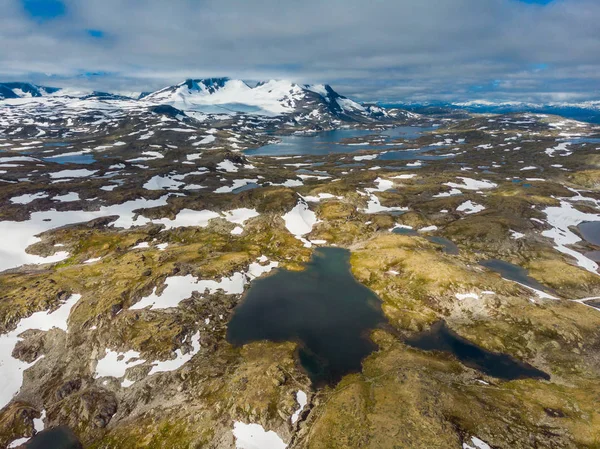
274	97
50	111
24	90
270	98
213	95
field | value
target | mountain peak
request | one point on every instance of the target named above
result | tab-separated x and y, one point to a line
24	90
206	84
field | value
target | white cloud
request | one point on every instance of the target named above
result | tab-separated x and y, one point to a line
387	49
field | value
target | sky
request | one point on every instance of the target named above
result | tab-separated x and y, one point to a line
385	50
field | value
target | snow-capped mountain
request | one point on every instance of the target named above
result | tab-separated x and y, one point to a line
274	97
276	103
306	103
24	90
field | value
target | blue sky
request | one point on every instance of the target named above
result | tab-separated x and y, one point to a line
391	50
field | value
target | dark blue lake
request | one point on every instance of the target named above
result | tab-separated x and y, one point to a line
514	273
85	159
590	231
441	338
448	246
327	142
590	140
322	308
412	154
56	438
57	144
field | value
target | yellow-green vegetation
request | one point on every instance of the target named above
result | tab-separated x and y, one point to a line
408	398
427	279
403	397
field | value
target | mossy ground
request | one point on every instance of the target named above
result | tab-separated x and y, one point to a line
403	397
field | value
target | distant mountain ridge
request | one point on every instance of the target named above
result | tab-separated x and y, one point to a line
24	90
225	95
587	111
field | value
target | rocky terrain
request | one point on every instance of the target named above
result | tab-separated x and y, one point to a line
130	229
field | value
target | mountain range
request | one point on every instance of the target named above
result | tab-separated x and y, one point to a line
587	111
222	95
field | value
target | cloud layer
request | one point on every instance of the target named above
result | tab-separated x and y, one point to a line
378	49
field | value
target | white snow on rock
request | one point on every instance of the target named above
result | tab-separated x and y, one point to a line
462	296
240	216
11	369
228	166
321	196
516	235
300	220
179	359
114	364
302	401
254	436
452	192
67	197
348	105
27	198
205	141
188	217
80	173
38	423
147	156
297	182
15	237
405	176
477	444
469	207
561	218
162	183
428	229
374	205
201	218
366	157
472	184
382	185
560	148
179	288
237	183
18	442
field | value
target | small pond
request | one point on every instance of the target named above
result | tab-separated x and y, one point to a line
323	308
56	438
590	231
514	273
441	338
448	246
67	158
412	154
